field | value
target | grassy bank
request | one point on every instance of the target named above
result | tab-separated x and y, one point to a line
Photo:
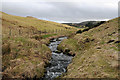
96	52
24	58
24	49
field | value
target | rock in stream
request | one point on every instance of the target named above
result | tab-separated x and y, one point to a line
58	62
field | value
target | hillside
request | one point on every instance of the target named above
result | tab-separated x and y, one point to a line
84	24
33	23
24	49
96	52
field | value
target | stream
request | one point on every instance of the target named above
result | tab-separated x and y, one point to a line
58	62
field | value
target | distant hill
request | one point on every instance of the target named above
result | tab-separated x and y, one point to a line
89	24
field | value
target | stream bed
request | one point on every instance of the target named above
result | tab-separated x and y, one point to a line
58	62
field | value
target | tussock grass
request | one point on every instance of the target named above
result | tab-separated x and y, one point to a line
95	57
25	53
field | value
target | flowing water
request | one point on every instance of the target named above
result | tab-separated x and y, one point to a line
58	62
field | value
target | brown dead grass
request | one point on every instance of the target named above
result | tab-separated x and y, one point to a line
95	57
25	53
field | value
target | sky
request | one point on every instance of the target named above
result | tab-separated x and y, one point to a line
63	11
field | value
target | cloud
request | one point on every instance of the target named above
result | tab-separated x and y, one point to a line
64	11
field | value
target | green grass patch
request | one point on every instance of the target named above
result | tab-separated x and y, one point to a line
115	48
20	39
48	35
102	42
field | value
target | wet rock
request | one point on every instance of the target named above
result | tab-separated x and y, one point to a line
52	40
67	50
110	41
57	51
58	39
47	44
117	41
58	62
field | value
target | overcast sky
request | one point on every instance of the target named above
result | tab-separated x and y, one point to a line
64	10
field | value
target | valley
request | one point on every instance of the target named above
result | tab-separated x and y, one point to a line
28	47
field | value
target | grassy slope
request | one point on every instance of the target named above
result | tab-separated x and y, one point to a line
31	21
96	56
25	53
28	24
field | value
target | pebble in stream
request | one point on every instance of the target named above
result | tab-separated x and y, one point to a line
58	62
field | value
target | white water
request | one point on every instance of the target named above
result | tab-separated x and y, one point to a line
58	62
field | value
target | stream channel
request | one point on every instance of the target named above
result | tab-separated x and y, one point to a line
58	62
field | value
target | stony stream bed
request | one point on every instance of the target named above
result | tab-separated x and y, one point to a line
58	62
